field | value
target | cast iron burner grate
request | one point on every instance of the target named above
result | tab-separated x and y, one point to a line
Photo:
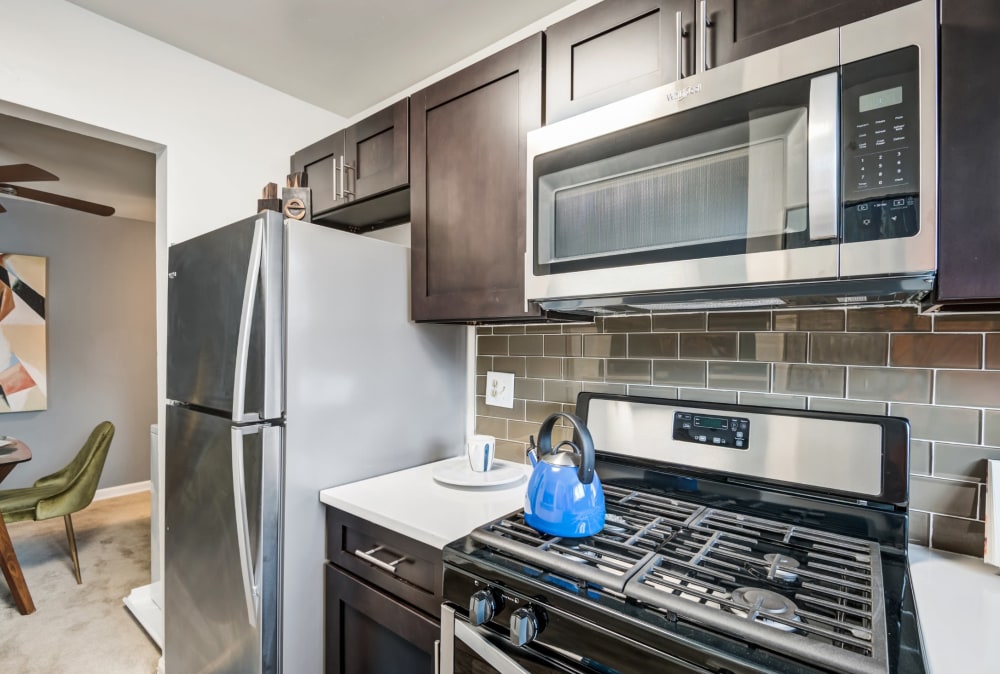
802	591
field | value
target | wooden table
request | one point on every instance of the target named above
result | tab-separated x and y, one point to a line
11	455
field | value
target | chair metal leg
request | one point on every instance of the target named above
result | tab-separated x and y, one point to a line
71	536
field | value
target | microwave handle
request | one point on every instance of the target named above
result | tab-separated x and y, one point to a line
824	157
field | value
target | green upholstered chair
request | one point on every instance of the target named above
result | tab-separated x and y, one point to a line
64	492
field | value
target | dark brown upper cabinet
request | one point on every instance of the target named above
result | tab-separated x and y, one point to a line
969	201
360	175
738	28
468	183
615	49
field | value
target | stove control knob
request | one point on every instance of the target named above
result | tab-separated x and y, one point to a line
523	626
484	605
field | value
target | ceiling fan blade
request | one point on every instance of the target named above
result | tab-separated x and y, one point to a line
57	200
16	173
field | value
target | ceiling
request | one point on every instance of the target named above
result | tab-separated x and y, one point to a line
88	168
344	56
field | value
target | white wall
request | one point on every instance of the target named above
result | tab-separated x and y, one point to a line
101	330
225	135
219	137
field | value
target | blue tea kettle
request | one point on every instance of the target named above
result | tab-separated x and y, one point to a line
564	496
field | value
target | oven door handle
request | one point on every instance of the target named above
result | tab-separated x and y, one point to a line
824	157
453	628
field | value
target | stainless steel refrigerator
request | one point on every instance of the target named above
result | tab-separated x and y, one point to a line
291	367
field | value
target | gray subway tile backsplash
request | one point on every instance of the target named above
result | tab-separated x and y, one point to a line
962	462
562	345
623	371
739	376
991	428
868	361
679	372
949	497
680	322
930	350
605	346
962	536
931	422
652	345
816	320
584	369
848	406
710	346
774	347
893	384
961	387
740	321
849	348
824	380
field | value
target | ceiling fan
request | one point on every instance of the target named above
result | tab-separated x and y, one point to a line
16	173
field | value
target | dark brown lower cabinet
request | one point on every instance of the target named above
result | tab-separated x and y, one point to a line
371	632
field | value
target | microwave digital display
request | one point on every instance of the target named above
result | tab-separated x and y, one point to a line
880	99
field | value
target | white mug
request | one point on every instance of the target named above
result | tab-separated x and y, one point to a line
480	451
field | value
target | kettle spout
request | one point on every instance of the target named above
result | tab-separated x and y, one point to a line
532	452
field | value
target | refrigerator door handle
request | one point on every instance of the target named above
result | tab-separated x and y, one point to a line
250	589
246	321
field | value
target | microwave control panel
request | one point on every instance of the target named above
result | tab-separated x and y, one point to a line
707	429
881	147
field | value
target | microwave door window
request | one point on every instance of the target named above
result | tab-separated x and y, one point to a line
737	185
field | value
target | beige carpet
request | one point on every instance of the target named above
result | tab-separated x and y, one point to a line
80	628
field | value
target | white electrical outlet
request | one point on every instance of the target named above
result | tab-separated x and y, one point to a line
500	389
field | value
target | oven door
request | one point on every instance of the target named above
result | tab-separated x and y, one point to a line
473	650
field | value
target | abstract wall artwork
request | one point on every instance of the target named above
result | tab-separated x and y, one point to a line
23	385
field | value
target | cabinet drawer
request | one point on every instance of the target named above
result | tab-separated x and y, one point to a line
369	631
406	568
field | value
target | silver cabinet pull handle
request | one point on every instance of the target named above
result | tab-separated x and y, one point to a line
345	167
368	557
705	25
681	47
437	656
334	174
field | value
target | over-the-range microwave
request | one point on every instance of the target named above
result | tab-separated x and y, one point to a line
805	176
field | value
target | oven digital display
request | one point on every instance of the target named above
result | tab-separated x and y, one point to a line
731	432
711	422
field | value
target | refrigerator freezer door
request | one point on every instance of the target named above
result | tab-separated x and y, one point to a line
221	545
224	325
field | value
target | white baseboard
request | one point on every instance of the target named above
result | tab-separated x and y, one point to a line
122	490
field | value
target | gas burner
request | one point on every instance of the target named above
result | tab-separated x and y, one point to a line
782	566
762	604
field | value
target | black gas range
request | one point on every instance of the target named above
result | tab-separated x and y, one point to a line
738	539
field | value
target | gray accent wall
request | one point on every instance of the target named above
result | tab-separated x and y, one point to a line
940	372
101	314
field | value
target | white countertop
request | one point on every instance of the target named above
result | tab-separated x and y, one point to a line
412	503
958	605
957	597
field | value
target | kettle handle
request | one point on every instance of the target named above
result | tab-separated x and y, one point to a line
585	443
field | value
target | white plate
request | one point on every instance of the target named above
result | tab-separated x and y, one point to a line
457	472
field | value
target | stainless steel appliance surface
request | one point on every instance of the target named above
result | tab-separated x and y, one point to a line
805	175
705	565
287	344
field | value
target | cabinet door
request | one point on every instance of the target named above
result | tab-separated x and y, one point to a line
969	204
743	27
370	632
467	188
615	49
377	152
319	162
